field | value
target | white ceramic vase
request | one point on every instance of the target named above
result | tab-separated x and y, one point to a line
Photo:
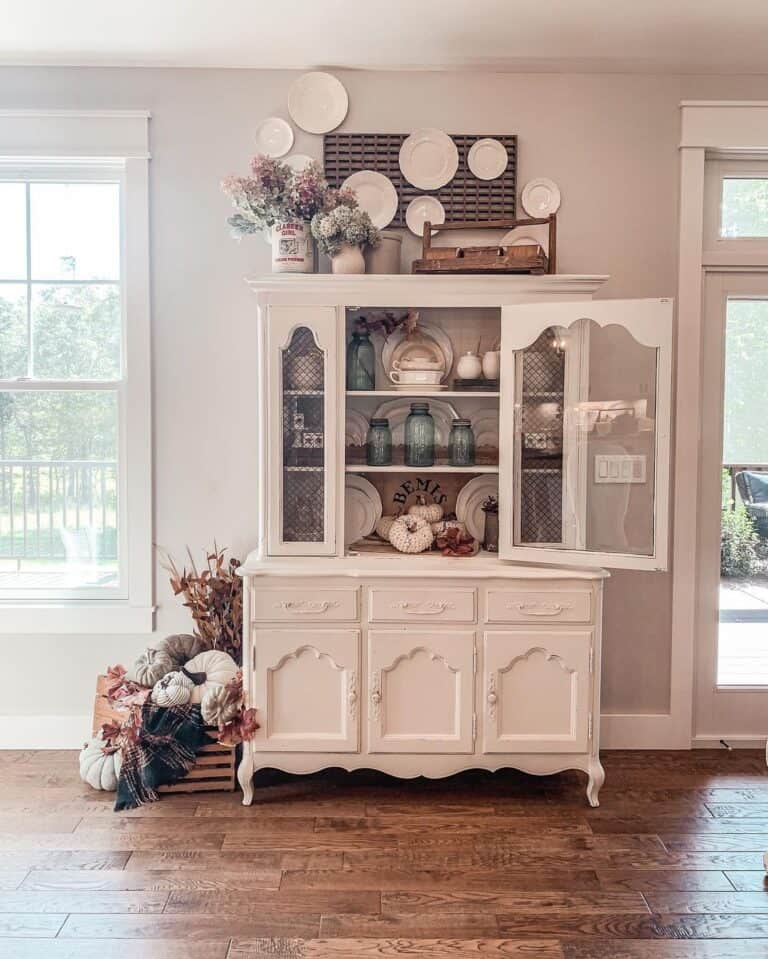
349	259
293	248
385	258
491	364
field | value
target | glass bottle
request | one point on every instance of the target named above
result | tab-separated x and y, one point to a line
419	436
461	444
361	362
378	444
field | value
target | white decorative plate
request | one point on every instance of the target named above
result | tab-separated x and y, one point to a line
318	102
274	137
376	194
362	508
356	429
421	209
470	500
396	411
487	159
298	161
429	329
485	426
540	197
429	159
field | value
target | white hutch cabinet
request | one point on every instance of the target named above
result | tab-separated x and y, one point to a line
356	655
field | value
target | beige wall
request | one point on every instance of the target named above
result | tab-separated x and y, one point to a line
610	142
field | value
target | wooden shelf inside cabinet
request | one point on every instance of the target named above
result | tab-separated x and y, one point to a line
437	394
400	468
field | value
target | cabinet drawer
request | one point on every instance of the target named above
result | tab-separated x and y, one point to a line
299	605
525	606
422	605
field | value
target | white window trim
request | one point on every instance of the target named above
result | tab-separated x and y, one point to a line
730	250
30	138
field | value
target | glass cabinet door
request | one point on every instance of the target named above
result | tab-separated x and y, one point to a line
300	402
585	436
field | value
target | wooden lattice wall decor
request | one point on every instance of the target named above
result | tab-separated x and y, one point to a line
464	198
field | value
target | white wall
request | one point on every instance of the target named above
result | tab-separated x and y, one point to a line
610	142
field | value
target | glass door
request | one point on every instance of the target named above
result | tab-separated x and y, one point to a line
301	453
585	442
732	608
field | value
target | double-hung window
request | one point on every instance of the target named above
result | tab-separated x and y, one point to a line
75	534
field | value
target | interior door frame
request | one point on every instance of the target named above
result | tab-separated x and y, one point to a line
718	710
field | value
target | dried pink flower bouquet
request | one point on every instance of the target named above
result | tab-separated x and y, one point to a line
274	193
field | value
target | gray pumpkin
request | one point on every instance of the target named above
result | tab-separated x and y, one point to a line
182	647
217	708
151	666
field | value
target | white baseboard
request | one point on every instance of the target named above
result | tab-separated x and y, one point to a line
741	741
44	732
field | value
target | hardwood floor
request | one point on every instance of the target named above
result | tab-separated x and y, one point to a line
354	866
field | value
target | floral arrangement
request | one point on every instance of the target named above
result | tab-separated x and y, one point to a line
214	596
274	193
490	505
343	225
387	322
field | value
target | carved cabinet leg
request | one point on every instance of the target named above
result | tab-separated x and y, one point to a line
245	774
596	779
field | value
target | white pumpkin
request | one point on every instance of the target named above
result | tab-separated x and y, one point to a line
174	689
384	525
219	669
411	534
97	768
431	512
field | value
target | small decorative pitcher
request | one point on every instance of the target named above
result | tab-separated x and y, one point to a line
293	248
349	259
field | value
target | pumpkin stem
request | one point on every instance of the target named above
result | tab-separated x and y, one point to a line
197	678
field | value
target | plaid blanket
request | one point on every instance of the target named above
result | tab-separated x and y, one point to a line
165	752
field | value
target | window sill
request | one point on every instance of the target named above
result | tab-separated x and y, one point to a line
75	617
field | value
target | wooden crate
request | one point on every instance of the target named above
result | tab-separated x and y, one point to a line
214	769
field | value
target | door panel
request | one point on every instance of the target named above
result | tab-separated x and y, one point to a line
301	452
421	691
585	432
306	687
537	691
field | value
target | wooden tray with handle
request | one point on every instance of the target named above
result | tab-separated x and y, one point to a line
487	259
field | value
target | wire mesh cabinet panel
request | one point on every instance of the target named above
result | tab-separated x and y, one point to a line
301	452
585	433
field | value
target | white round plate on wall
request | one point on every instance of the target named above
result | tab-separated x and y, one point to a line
318	102
274	137
540	197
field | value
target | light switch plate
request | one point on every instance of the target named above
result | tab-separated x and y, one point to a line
619	468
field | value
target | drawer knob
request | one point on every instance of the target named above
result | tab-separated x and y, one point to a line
305	607
427	608
539	609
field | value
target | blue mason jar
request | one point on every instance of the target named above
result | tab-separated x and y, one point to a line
378	445
361	362
461	444
419	436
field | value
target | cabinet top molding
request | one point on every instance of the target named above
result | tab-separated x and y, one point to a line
413	290
362	566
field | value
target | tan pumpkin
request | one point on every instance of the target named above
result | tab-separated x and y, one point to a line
150	667
411	534
431	512
217	669
218	707
182	647
384	525
174	689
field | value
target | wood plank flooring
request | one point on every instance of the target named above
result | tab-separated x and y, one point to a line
355	866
